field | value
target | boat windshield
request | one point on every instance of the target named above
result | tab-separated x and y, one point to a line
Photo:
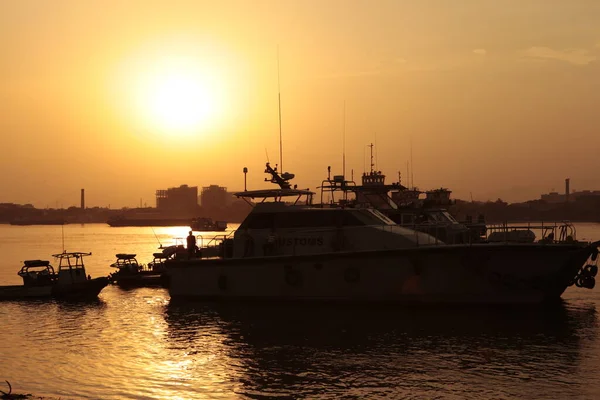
315	218
449	216
442	216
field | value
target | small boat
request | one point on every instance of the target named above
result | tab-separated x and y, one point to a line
133	274
208	225
40	280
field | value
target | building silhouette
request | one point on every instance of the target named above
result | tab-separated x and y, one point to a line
215	196
179	200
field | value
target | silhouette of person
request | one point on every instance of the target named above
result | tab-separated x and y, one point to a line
191	245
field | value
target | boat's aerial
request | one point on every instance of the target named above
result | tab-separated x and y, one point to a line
300	251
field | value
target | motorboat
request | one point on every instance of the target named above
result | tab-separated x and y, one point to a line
296	250
204	224
41	280
401	204
130	273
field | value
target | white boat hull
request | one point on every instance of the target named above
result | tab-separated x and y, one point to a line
486	273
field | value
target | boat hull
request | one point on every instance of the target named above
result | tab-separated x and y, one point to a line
486	273
85	290
139	280
15	292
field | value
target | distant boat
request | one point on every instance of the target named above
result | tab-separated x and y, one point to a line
208	225
38	221
148	221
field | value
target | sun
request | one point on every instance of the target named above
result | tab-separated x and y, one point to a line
178	98
179	101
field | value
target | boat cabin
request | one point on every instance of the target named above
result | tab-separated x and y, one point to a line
279	227
126	262
71	268
37	273
168	253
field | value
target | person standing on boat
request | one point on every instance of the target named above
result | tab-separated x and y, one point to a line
191	245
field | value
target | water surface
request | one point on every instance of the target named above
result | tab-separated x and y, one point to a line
137	344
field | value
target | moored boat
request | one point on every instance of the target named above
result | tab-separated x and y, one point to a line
204	224
305	252
40	280
130	273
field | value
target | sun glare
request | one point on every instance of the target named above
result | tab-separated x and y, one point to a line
178	98
179	101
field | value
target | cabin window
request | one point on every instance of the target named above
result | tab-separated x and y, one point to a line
259	221
312	219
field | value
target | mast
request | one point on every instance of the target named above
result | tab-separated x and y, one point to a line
344	143
372	165
407	176
279	98
412	180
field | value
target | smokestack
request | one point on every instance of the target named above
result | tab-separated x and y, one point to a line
567	181
83	199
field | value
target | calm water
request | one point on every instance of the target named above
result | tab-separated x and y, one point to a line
138	345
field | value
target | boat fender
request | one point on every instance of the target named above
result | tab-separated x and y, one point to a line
293	278
590	270
587	282
222	282
351	275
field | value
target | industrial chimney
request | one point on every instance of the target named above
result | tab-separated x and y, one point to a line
567	189
83	199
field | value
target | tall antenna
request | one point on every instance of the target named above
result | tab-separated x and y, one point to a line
372	165
407	176
62	227
364	162
412	169
344	144
279	97
376	169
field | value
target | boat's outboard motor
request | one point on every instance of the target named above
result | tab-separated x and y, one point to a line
586	277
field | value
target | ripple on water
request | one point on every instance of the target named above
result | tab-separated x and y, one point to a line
136	344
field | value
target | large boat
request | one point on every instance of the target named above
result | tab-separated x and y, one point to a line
40	280
305	252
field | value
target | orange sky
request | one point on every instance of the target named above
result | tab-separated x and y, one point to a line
499	98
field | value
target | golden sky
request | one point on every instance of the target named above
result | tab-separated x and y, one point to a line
499	98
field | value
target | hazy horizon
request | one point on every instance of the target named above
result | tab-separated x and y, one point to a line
123	98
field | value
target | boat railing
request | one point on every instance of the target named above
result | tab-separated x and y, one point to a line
538	232
214	246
